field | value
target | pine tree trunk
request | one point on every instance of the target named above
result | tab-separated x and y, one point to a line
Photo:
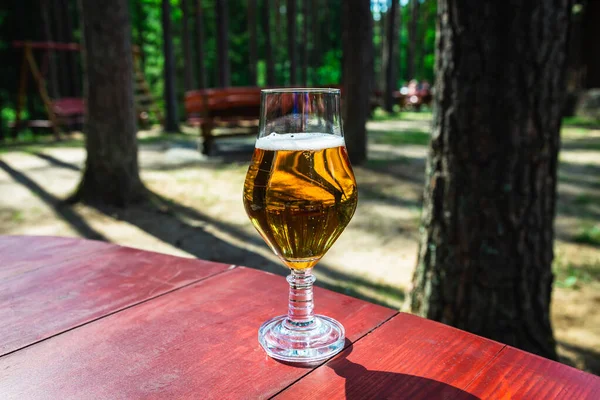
188	66
266	23
591	32
357	41
171	119
486	247
111	173
291	39
316	41
52	79
223	43
252	53
392	58
200	45
411	54
61	56
305	43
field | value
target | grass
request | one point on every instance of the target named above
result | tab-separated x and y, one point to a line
571	276
381	115
589	234
581	122
415	137
33	144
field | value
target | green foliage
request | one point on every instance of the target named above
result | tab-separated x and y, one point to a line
415	137
589	234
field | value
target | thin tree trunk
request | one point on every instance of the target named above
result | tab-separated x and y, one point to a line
591	30
279	39
421	34
111	173
252	53
171	118
266	23
383	52
392	57
47	29
223	43
200	45
487	239
141	32
291	39
188	66
74	83
412	39
305	43
316	41
357	42
63	73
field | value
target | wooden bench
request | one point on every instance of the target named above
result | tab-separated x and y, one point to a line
235	106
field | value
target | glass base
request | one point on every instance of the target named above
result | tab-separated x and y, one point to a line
295	344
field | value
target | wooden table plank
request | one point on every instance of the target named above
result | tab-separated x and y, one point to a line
515	374
58	297
20	254
407	357
198	342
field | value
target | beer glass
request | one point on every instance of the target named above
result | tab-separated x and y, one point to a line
300	193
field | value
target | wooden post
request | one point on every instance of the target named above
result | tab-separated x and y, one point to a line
42	89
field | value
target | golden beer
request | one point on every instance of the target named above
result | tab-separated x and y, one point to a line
300	193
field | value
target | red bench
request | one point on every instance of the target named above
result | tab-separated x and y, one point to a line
209	108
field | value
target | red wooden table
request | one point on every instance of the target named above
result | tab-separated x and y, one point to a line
84	319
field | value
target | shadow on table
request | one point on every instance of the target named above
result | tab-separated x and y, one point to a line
362	383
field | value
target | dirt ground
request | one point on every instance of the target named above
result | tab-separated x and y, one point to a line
197	212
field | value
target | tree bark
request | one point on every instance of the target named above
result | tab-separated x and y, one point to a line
487	227
411	54
392	57
188	66
45	6
171	119
316	41
223	43
357	39
266	23
291	39
111	173
200	45
62	57
252	53
305	43
74	82
591	30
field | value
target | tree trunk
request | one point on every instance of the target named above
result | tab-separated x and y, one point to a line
171	119
305	42
591	30
266	23
140	19
62	57
188	66
291	38
486	247
47	29
392	57
74	83
357	39
200	45
411	54
252	53
223	43
111	173
316	41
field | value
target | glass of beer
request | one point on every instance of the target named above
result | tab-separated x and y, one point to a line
300	193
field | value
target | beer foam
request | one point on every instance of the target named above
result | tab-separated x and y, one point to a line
299	141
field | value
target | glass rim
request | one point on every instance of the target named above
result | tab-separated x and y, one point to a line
301	90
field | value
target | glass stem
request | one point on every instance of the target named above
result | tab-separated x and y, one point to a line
300	306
